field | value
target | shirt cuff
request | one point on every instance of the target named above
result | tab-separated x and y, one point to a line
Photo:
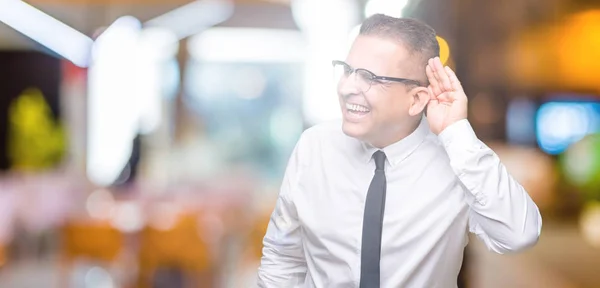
459	140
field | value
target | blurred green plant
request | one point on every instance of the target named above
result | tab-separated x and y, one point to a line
581	165
35	140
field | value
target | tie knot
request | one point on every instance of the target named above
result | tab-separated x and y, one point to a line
379	157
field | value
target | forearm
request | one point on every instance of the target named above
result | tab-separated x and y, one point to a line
280	268
502	213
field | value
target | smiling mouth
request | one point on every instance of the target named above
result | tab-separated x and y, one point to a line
357	108
356	111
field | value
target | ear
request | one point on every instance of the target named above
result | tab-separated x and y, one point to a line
420	98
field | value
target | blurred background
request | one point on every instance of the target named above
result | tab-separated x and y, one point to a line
142	142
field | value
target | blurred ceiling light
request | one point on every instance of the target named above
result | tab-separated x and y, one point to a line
113	110
51	33
158	43
124	28
156	47
194	17
327	40
392	8
314	16
126	86
252	45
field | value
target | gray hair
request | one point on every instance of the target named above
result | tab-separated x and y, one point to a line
418	37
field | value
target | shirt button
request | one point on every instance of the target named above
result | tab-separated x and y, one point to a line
480	199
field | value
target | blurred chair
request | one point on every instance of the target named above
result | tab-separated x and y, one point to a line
252	250
89	240
257	234
2	255
177	248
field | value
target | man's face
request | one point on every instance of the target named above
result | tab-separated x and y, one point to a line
383	109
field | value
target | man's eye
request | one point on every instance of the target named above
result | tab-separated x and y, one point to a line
374	80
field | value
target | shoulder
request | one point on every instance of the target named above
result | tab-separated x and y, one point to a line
432	150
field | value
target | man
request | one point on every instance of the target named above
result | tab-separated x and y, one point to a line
388	199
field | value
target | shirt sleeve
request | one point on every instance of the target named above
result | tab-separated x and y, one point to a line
283	263
502	214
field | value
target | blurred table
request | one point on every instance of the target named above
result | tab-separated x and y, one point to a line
561	259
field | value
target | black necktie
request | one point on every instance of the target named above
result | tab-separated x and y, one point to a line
372	226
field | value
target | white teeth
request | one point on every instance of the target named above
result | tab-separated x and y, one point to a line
356	108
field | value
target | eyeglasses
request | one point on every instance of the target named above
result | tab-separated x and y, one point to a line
364	78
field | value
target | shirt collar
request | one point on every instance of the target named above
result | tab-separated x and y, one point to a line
398	151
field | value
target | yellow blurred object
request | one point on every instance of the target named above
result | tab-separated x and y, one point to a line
35	141
530	62
178	246
577	44
561	56
444	50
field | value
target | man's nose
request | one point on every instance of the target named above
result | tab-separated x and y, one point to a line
349	85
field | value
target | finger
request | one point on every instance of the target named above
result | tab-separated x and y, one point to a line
435	76
441	97
433	82
439	93
430	78
442	74
432	95
453	79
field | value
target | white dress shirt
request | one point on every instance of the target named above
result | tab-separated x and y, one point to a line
438	189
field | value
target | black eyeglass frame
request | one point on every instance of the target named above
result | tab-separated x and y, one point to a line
374	76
